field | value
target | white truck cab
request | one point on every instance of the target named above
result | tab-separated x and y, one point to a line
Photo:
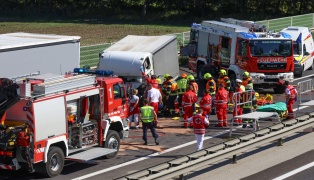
303	48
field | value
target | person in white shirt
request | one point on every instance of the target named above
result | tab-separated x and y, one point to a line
154	97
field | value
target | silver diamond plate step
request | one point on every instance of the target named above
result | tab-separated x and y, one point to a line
90	154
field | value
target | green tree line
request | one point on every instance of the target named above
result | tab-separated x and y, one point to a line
158	9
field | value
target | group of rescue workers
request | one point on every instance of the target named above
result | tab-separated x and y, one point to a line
182	94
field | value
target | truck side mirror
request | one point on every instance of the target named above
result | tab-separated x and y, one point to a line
306	53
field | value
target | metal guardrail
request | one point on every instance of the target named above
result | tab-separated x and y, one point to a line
232	148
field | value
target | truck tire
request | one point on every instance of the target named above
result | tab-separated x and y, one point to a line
112	142
301	73
200	71
279	89
232	78
55	163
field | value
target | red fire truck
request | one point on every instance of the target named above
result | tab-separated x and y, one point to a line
239	46
46	119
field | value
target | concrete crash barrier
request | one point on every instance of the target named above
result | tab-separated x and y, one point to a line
179	161
215	148
304	117
262	132
232	142
248	137
290	122
311	115
197	154
138	175
158	168
276	127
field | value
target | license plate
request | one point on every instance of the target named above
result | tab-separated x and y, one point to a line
271	76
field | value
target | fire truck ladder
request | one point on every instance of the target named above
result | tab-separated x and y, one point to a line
248	24
62	84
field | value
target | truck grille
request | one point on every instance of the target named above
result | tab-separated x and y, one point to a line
271	66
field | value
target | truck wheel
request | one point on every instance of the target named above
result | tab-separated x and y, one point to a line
55	163
279	89
301	73
112	142
200	71
232	78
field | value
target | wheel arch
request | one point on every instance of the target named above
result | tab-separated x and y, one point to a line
60	142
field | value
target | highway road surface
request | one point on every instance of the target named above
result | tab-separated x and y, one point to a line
176	141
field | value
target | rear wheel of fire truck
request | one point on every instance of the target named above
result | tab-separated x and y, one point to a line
200	71
55	163
279	89
112	142
232	78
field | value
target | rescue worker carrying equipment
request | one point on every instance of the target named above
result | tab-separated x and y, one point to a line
221	103
182	85
211	89
224	79
291	97
188	99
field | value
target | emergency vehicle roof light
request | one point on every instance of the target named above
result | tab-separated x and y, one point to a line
80	70
91	71
285	35
248	35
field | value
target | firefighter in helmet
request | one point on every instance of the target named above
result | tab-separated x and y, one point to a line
224	79
171	93
191	81
211	89
247	80
182	85
221	103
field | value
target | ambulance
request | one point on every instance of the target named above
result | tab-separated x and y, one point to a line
303	49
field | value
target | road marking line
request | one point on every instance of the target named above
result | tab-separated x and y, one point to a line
291	173
146	157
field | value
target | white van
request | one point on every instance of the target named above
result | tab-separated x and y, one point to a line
303	48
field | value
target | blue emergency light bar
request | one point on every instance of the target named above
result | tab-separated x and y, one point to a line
92	71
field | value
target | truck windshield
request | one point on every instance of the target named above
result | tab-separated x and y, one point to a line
271	47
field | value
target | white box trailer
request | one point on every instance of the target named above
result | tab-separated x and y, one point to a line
157	55
25	53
